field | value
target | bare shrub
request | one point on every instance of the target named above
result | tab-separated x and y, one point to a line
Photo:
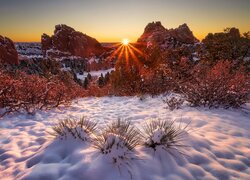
222	85
22	92
173	103
78	129
95	90
164	134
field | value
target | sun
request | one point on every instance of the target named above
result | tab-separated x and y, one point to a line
125	42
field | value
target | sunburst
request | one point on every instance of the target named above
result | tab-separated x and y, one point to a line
125	42
127	51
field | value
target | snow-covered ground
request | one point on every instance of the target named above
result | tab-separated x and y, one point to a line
95	73
219	145
29	50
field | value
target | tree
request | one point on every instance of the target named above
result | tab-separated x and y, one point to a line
101	81
126	79
107	77
86	83
228	45
89	76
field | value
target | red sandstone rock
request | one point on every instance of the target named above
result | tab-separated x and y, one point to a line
68	42
183	34
8	53
156	34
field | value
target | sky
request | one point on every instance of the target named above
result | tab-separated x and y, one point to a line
114	20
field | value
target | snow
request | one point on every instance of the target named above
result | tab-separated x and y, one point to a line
94	73
218	143
29	50
72	58
32	56
55	51
157	135
93	59
64	68
196	59
246	59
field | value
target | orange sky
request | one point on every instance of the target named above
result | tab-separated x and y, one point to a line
113	20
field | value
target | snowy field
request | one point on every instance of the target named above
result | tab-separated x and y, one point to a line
219	145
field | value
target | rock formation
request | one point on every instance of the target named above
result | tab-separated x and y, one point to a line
68	42
156	34
8	53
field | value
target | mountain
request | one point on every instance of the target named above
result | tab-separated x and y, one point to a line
68	42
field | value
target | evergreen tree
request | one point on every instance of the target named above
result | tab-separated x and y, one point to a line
101	82
86	83
74	75
107	77
89	76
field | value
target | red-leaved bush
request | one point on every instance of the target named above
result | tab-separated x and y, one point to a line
20	91
219	86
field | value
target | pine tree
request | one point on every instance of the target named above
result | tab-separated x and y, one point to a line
86	83
107	77
89	76
74	75
101	81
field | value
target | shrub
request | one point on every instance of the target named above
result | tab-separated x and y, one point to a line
95	90
223	85
78	129
20	91
173	103
164	135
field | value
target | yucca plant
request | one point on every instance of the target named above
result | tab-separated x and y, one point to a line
82	129
164	134
117	143
118	134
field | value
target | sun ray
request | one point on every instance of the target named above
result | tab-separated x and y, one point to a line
121	53
127	52
116	45
131	52
140	43
116	51
135	49
126	57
